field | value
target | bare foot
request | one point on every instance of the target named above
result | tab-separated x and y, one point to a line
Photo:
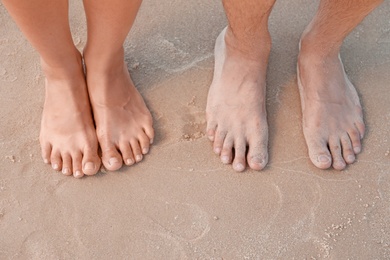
123	122
332	115
68	137
236	113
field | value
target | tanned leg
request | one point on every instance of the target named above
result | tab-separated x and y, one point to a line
236	113
67	135
332	115
123	122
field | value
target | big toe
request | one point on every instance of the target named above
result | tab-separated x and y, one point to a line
111	158
91	162
257	155
319	154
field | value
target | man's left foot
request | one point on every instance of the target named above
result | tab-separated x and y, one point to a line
332	115
123	122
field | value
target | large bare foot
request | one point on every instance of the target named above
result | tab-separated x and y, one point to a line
236	113
332	115
68	137
123	122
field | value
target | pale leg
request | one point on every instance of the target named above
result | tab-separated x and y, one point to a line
332	115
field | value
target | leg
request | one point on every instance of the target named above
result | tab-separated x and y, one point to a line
332	115
236	113
123	122
67	135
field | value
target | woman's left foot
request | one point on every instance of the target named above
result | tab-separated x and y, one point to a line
123	122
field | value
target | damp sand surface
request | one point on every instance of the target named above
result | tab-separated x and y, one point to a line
181	202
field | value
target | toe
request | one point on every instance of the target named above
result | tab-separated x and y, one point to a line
319	153
348	153
67	164
361	128
144	142
226	154
91	162
149	131
239	155
257	154
211	126
46	152
77	165
56	160
355	137
219	138
127	154
335	149
136	148
111	158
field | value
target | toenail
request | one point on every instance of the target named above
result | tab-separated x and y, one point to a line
78	174
356	149
151	141
351	158
55	166
89	166
113	160
225	159
46	161
129	162
323	158
256	160
211	138
138	158
145	150
65	171
217	150
239	167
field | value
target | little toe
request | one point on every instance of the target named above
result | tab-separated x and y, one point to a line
219	138
348	153
227	150
77	165
355	137
211	126
319	153
111	158
239	155
149	131
136	148
257	155
56	161
144	143
127	154
91	162
66	164
46	152
335	150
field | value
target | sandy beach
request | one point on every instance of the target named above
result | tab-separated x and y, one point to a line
181	202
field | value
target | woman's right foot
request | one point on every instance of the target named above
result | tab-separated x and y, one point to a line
68	139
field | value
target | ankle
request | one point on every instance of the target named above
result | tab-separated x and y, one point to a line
256	47
103	61
314	45
65	68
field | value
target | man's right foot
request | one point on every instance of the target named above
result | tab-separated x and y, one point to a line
236	113
68	137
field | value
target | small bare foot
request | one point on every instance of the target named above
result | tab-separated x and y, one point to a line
236	113
332	115
123	122
68	137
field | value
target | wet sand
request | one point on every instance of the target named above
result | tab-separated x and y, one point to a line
181	202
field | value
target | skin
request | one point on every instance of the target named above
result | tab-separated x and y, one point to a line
68	136
332	115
